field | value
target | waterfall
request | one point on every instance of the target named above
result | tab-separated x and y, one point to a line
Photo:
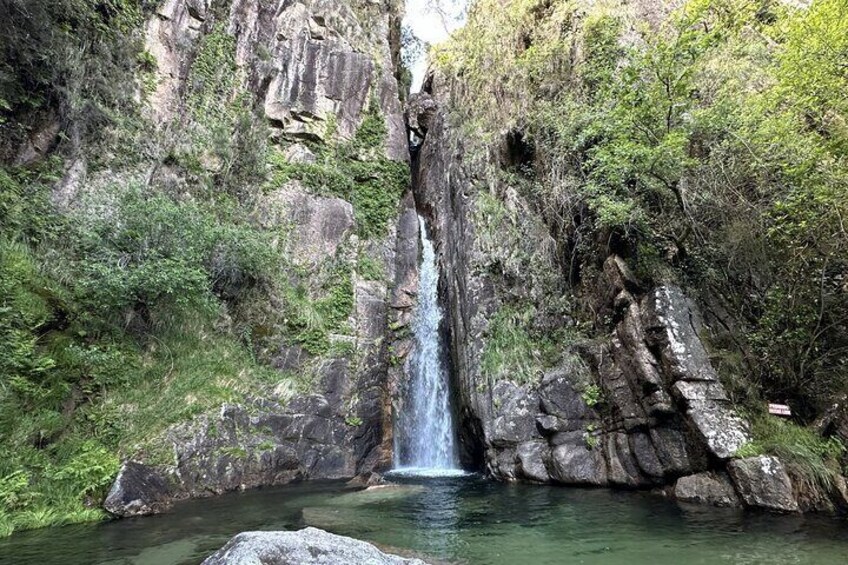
426	437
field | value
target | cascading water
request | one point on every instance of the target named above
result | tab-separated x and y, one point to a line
426	436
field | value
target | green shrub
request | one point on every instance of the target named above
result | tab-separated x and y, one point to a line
76	57
154	255
709	149
592	395
311	319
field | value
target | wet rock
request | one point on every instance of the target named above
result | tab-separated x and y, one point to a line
365	480
645	454
672	451
516	409
404	294
762	482
303	547
623	468
706	488
503	463
531	461
839	494
138	490
574	463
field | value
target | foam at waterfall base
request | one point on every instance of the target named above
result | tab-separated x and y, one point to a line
427	473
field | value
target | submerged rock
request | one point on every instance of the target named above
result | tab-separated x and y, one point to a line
304	547
706	488
762	482
138	490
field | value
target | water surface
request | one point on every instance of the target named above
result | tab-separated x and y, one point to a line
463	520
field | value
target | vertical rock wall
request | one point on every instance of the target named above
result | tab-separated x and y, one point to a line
305	62
311	69
660	413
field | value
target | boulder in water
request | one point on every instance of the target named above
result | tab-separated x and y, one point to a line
138	490
706	488
304	547
763	482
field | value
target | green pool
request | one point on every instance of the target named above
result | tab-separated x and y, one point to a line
458	520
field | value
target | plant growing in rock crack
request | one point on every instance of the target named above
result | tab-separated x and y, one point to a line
353	421
591	437
234	452
592	395
266	445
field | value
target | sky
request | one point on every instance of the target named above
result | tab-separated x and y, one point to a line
432	25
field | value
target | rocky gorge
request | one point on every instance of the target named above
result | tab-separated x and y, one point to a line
569	362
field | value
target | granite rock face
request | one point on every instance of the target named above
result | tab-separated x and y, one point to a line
317	225
641	407
138	490
696	384
309	546
309	63
269	443
311	71
762	482
706	488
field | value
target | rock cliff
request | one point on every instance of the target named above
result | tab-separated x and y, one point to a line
639	406
314	71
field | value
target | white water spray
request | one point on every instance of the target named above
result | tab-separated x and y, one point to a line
427	441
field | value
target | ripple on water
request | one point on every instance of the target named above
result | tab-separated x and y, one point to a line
427	473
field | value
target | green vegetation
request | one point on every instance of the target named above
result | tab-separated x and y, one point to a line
107	328
75	56
311	318
516	349
357	171
353	421
709	150
592	395
591	437
370	268
150	301
813	460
